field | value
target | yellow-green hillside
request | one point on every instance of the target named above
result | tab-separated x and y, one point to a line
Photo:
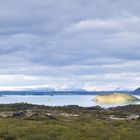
115	98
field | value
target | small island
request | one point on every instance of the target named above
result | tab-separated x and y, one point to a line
115	98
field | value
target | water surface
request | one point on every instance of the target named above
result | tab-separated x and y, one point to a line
57	100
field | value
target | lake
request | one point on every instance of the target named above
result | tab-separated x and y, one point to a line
57	100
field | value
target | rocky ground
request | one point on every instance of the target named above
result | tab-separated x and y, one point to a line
28	111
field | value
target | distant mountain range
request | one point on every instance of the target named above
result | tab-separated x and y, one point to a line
38	89
43	89
73	89
46	89
67	91
122	89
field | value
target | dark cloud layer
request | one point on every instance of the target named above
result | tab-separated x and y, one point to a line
71	38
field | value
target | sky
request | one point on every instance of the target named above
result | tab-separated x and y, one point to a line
62	44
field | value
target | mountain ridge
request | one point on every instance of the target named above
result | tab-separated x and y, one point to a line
136	91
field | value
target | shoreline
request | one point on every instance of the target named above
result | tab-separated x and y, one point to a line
98	111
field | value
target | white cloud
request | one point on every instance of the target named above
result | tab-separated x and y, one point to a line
74	43
116	24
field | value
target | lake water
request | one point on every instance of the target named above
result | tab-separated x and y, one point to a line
57	100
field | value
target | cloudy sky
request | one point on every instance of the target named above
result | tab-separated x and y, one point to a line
89	44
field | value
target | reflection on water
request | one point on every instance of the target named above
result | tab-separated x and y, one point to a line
59	100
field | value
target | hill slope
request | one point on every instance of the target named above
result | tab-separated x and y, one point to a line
137	91
115	98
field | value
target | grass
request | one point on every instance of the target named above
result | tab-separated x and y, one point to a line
83	127
77	129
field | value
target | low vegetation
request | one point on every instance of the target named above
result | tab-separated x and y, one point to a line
32	122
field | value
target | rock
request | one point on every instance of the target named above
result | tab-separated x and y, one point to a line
50	117
18	114
115	98
139	117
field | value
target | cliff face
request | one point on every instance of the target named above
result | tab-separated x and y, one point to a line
115	98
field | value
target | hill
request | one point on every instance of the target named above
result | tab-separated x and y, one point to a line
137	91
115	98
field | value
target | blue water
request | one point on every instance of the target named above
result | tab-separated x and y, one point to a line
57	100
